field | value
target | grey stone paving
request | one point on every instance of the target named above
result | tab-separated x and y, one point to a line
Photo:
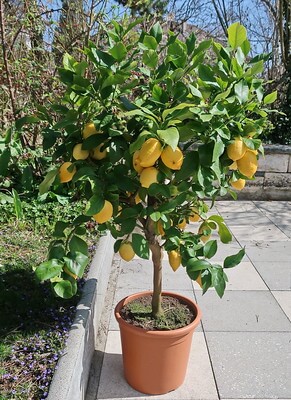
242	349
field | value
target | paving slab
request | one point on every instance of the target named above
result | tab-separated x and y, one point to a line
264	232
267	251
256	217
242	277
277	275
142	270
199	382
253	365
284	300
242	311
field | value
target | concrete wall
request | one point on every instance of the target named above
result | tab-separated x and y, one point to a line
273	178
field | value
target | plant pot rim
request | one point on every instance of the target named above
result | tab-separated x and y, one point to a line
157	333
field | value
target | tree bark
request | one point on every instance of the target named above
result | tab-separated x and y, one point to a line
157	257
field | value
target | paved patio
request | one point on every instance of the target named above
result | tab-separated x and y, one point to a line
242	349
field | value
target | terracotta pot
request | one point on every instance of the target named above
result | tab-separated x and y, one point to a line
155	362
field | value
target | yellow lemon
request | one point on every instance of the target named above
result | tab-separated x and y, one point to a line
105	214
236	150
172	159
89	130
126	251
136	162
174	259
182	224
205	232
97	154
148	176
149	153
233	166
79	153
65	175
67	271
194	217
248	164
239	184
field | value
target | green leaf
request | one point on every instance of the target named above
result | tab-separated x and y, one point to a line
49	269
78	244
29	119
95	204
150	42
59	229
223	231
56	250
17	204
4	161
115	79
140	246
81	259
270	98
48	181
234	260
193	265
246	47
218	149
210	248
65	289
118	51
69	62
237	34
241	90
170	136
155	216
150	58
157	32
190	166
218	279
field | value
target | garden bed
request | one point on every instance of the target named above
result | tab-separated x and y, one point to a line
34	323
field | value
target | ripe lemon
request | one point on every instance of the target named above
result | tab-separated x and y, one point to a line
233	166
67	271
126	251
194	217
149	153
174	259
148	176
239	184
236	150
97	154
205	232
248	164
65	175
89	130
182	224
172	159
136	162
79	153
105	214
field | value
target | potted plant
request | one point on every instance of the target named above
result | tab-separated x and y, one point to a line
150	129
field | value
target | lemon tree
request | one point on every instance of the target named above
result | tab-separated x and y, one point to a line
150	127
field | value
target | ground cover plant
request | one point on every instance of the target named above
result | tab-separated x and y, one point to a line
34	323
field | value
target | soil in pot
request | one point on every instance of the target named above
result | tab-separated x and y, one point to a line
177	314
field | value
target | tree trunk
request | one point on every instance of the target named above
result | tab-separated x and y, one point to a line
157	256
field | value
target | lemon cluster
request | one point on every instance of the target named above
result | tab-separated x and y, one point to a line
144	160
244	160
66	172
